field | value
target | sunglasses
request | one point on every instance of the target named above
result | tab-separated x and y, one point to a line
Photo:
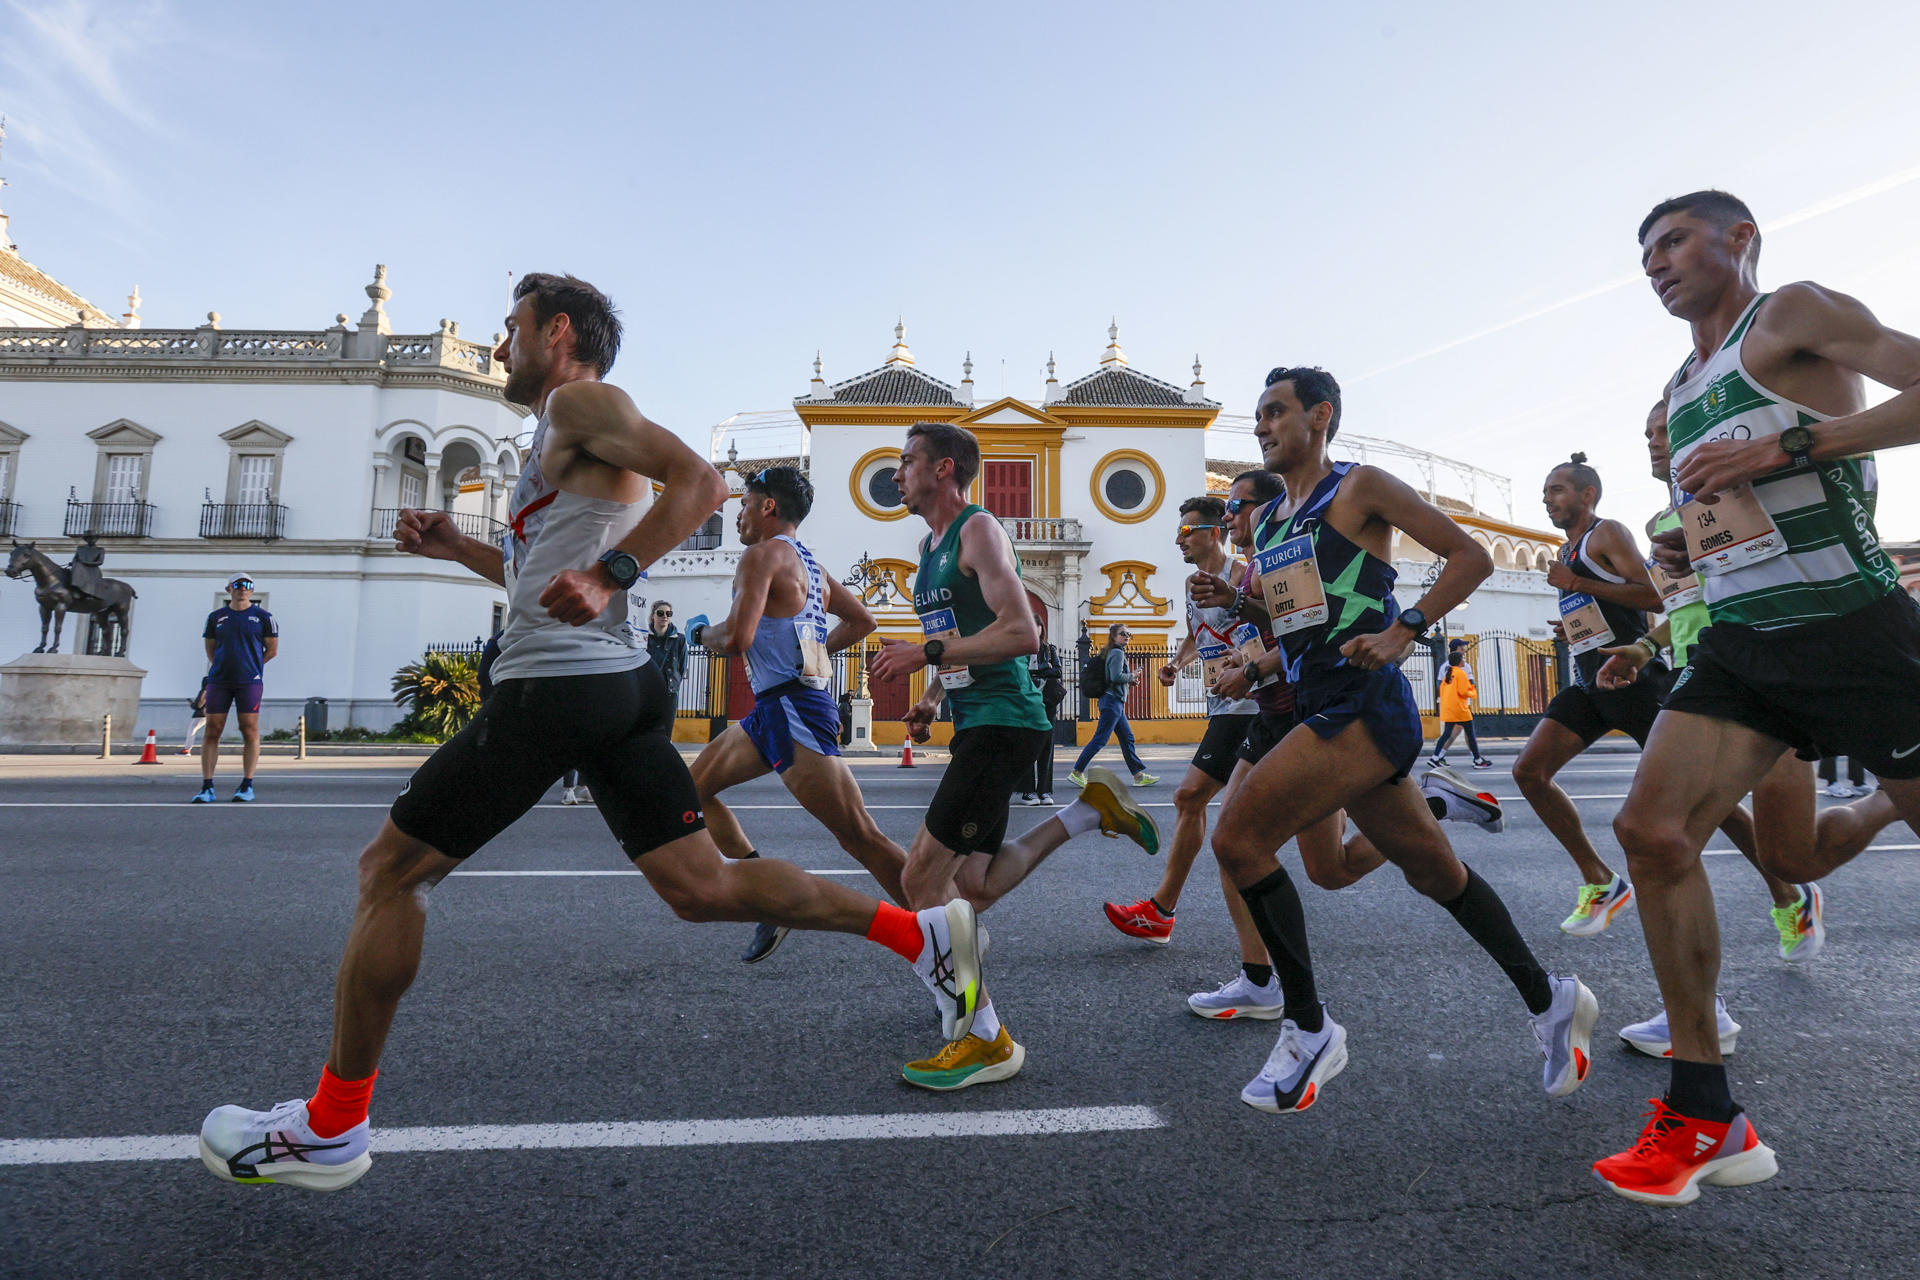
1236	505
1186	529
663	613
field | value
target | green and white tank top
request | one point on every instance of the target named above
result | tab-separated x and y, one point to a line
1833	563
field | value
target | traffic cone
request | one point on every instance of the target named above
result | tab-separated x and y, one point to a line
906	756
151	754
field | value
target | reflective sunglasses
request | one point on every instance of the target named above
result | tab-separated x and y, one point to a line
1186	529
1236	505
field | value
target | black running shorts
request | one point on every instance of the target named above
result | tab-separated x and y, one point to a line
987	762
1847	686
1590	713
1220	745
614	728
1264	734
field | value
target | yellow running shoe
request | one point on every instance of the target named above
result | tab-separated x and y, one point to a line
968	1061
1119	816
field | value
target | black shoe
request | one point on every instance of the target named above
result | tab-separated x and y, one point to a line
766	940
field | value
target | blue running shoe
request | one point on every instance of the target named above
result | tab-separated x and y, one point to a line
244	795
206	795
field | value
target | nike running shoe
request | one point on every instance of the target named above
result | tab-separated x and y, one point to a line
949	964
239	1145
968	1061
1119	816
1597	906
1239	998
243	794
1803	932
1144	779
1297	1068
1077	778
1655	1039
1141	920
205	795
1451	796
1565	1036
1678	1154
1481	762
766	940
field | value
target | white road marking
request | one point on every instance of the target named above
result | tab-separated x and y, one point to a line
1049	1122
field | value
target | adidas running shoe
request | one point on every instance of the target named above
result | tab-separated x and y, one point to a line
1565	1036
239	1145
1141	920
1119	816
1299	1065
949	964
1803	932
1239	998
1596	907
1676	1155
966	1062
1655	1039
1452	797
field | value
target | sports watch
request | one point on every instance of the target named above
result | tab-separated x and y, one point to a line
622	568
934	649
1415	619
1795	442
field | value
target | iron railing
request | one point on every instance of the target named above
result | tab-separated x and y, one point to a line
9	517
109	519
474	526
263	520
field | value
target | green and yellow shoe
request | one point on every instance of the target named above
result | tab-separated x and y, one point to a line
967	1061
1119	816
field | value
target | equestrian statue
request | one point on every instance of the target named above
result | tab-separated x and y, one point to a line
78	588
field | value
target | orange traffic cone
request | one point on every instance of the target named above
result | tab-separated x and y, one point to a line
151	754
906	756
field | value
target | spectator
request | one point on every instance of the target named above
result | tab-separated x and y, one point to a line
667	647
1459	646
241	638
1456	710
1050	678
1117	680
197	704
1856	783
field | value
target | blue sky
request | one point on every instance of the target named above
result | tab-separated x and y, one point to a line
1359	186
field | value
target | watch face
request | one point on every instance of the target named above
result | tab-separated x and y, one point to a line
1796	439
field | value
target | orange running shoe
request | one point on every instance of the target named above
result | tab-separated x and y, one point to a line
1677	1153
1141	920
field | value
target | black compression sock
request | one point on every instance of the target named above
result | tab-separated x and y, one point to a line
1258	974
751	853
1277	914
1699	1090
1484	917
246	782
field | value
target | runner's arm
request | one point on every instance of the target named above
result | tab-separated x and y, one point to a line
432	534
986	550
1612	544
856	622
1388	498
751	582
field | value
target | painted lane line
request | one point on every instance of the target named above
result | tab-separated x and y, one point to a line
1051	1122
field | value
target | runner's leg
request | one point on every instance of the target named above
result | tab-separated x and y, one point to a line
1549	749
727	761
825	788
1190	801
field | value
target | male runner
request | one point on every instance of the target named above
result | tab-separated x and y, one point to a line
978	630
572	687
1813	645
1327	592
779	623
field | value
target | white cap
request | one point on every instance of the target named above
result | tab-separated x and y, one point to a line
239	578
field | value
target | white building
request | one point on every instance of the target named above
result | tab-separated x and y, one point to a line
198	453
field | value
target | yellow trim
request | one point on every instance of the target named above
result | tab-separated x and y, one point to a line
1113	513
858	490
1121	575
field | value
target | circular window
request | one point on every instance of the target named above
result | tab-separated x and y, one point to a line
882	489
1126	488
874	487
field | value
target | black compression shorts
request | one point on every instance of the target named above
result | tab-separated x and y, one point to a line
968	813
614	728
1220	745
1590	713
1264	734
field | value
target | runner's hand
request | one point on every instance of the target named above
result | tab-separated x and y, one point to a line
427	533
897	659
919	720
1232	684
1623	665
1559	630
1560	577
1670	553
1210	592
1168	673
1720	465
1373	652
576	596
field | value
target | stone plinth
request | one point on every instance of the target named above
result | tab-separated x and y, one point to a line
47	699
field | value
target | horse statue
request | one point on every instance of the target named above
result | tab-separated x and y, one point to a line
57	596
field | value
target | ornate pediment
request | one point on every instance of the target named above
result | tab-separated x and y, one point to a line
11	436
256	435
1127	591
124	433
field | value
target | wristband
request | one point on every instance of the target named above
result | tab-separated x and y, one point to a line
1239	602
1646	642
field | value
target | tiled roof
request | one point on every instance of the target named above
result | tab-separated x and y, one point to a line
748	466
1126	388
889	385
17	271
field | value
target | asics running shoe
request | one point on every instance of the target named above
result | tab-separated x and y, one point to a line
1655	1039
967	1061
766	940
1565	1036
949	964
1677	1154
1119	816
239	1145
1451	796
1298	1066
1596	907
1239	998
1803	931
1141	920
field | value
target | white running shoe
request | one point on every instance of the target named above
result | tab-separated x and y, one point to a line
239	1145
1451	796
566	796
581	795
949	964
1654	1039
1239	998
1596	907
1299	1064
1565	1036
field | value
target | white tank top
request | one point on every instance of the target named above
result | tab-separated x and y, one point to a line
1210	629
550	531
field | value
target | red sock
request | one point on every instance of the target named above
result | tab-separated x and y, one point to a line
338	1105
896	929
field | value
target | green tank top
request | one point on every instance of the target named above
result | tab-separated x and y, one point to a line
1684	624
950	602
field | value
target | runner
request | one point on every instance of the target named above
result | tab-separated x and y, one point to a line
1813	645
1327	591
974	614
573	686
779	624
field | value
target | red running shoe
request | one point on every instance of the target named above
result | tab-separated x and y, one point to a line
1141	920
1677	1153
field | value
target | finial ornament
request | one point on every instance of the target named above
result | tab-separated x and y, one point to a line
816	364
967	365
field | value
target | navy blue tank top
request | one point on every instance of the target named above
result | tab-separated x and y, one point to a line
1358	585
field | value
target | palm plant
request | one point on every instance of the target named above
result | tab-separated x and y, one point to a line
441	692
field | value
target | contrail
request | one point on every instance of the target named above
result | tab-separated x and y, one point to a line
1818	209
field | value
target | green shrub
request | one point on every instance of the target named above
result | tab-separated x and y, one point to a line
441	693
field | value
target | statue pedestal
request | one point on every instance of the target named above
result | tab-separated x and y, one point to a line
862	744
57	699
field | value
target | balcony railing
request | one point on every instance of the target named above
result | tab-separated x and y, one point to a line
109	519
481	527
1045	529
263	520
9	517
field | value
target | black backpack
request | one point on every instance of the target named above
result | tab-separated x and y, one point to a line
1093	676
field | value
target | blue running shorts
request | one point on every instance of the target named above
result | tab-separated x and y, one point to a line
792	715
1382	700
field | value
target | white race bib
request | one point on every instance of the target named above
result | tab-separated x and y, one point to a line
1734	532
1246	642
816	664
1675	593
941	625
1585	625
1290	580
1216	658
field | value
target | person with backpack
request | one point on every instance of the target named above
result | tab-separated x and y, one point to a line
1108	679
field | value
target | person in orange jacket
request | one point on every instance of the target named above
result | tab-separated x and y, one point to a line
1456	710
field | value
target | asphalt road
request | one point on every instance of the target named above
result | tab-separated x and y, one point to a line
162	958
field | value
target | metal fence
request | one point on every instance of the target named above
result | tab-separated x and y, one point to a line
264	520
108	519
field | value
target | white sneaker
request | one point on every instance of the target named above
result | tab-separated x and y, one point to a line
581	795
1026	798
1297	1067
1841	791
567	797
1565	1036
1654	1039
1596	907
949	964
1452	797
1046	798
239	1145
1239	998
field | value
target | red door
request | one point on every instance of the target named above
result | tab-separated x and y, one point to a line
1008	489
